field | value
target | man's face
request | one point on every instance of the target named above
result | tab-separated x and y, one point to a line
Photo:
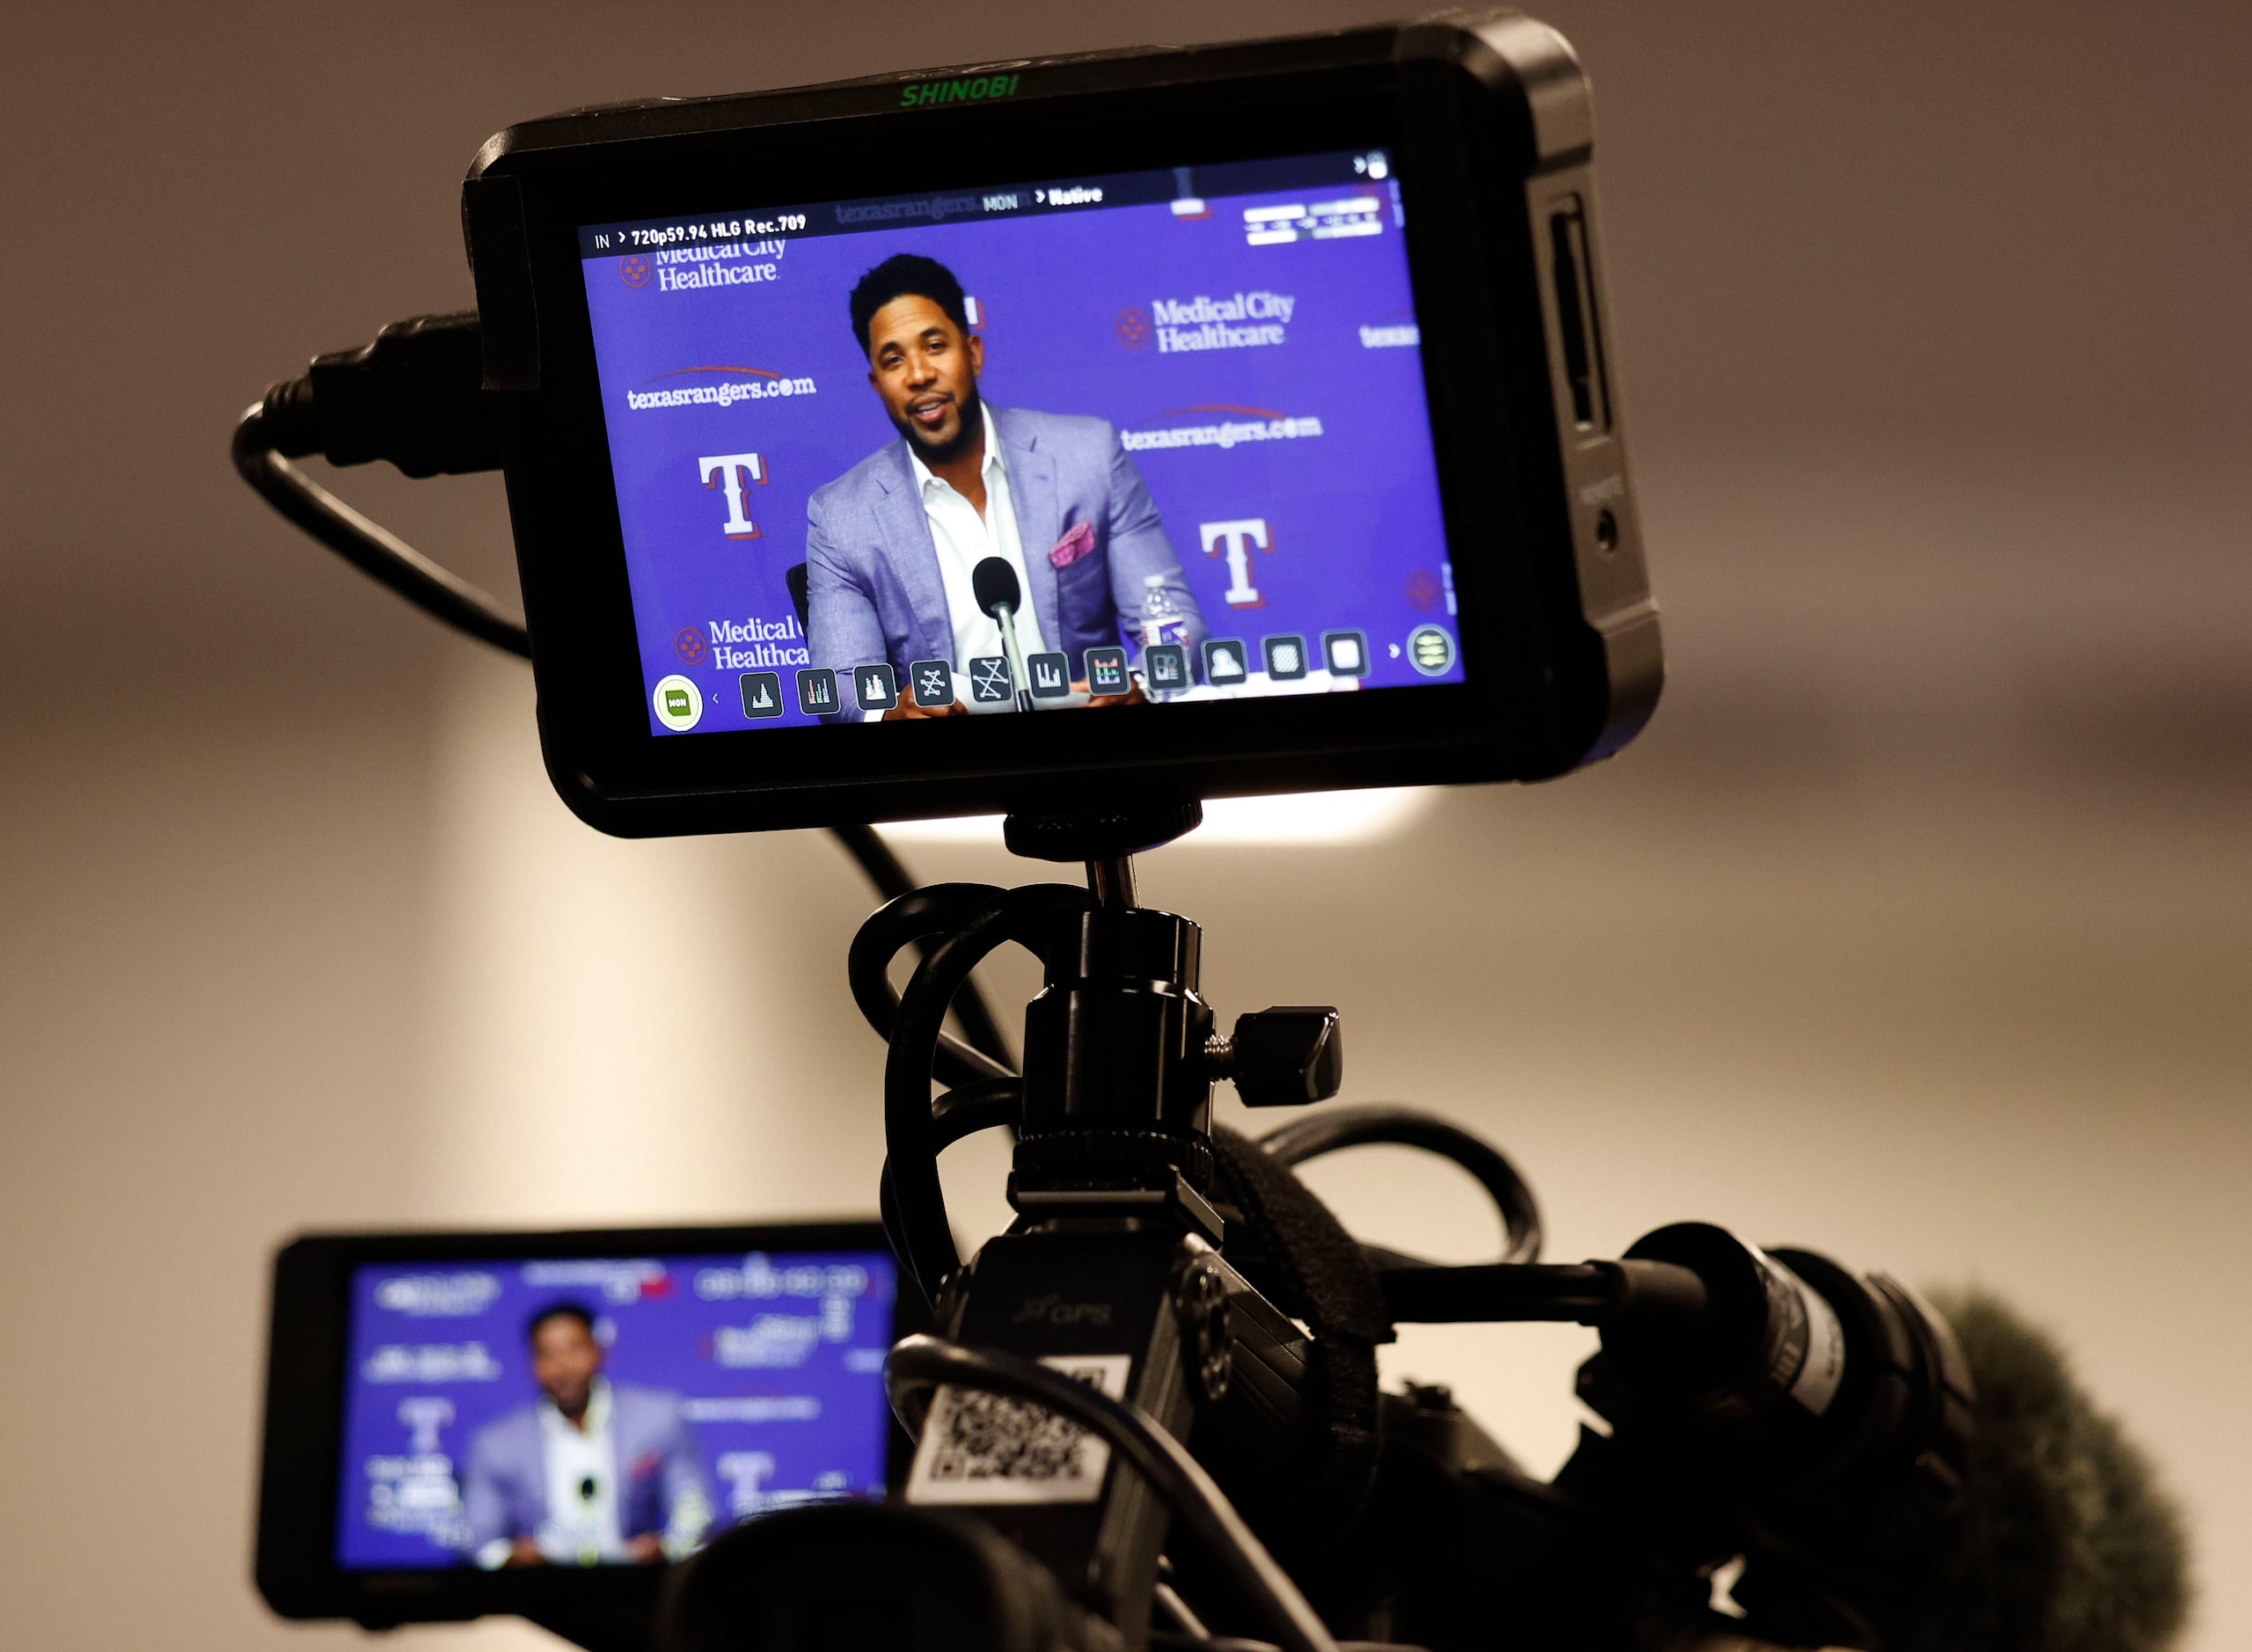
564	1361
926	372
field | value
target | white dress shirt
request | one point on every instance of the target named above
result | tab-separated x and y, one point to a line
580	1530
963	539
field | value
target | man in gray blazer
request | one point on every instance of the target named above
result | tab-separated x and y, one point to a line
592	1473
890	545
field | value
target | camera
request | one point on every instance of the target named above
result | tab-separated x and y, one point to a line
1078	438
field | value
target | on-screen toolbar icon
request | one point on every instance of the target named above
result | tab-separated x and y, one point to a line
873	688
1430	649
1107	671
1285	657
989	684
762	694
1051	675
817	690
679	703
1224	662
932	682
1346	653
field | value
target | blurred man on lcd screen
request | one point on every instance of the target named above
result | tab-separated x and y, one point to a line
593	1472
891	544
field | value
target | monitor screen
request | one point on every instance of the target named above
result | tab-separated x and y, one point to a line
595	1412
1150	439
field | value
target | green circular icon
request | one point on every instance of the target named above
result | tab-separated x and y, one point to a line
679	704
1431	650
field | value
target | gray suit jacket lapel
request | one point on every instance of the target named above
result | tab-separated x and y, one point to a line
903	531
1040	517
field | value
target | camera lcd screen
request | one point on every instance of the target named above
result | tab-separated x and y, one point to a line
603	1411
1183	409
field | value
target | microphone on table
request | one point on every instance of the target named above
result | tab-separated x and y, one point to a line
994	584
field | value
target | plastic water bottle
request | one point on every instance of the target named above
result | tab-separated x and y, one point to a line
1164	621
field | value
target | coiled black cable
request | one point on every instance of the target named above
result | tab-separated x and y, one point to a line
912	918
924	1238
990	1104
1335	1129
369	546
415	397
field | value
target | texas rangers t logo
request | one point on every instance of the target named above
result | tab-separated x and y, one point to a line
733	470
1234	541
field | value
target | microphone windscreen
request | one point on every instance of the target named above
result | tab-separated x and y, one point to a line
2064	1540
994	584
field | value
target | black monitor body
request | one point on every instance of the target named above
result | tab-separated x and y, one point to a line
1485	122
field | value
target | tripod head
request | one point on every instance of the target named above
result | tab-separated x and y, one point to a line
1115	1099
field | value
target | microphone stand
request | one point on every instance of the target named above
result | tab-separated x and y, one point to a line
1006	614
999	593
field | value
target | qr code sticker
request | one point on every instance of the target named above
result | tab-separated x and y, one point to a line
987	1447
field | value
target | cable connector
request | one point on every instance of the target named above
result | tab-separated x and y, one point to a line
415	397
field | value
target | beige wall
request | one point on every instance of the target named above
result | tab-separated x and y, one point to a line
1917	929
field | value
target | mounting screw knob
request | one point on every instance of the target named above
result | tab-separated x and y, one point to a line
1283	1057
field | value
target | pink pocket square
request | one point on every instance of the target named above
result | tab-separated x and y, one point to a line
1072	546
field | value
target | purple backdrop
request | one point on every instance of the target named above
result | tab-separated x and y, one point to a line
777	1361
1071	305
